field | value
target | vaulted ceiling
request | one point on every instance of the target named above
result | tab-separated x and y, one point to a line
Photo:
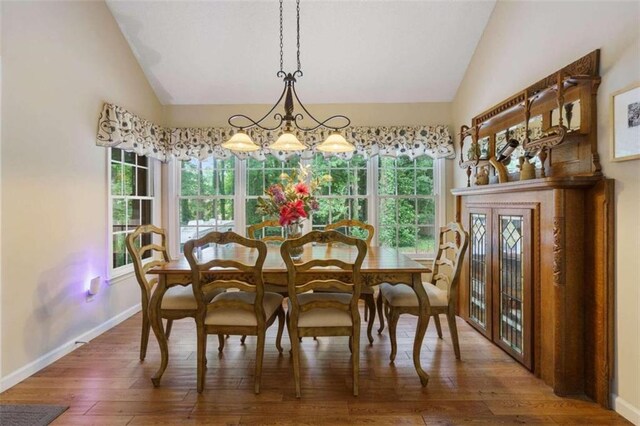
226	52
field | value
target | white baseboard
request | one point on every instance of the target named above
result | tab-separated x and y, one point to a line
625	409
54	355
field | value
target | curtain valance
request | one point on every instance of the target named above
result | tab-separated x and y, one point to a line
120	128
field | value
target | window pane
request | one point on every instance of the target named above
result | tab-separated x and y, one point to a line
388	212
406	211
116	154
119	218
130	157
255	182
387	236
340	182
406	181
407	239
129	180
250	210
119	250
426	239
133	214
146	213
143	180
143	161
189	210
424	182
226	181
207	177
189	178
117	187
426	211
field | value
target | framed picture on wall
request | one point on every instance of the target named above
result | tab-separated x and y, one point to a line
625	117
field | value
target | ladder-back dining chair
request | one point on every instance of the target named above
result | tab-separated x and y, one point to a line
367	294
248	311
401	299
324	313
178	302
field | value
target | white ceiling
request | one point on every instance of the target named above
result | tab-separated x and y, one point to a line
226	52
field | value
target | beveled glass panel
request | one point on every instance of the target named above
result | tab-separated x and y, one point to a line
511	281
478	269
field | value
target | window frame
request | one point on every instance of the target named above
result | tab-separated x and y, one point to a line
124	271
173	188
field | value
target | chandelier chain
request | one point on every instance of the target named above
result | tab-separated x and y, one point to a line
298	32
281	40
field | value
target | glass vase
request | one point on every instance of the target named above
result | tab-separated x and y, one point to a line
294	230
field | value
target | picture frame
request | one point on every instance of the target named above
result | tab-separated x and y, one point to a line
625	123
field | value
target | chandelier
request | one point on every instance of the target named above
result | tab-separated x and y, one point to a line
291	120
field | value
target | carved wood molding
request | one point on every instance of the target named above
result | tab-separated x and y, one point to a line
558	251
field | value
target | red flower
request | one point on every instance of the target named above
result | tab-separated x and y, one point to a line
302	189
292	212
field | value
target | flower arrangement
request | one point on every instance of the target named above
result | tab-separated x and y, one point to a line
292	199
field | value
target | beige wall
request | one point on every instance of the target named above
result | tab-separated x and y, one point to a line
61	61
526	41
360	114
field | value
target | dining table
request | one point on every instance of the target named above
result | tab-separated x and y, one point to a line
381	265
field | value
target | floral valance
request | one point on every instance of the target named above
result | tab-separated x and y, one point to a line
121	128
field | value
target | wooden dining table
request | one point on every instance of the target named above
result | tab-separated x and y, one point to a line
381	265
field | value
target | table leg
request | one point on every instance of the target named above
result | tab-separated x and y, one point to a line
156	324
423	322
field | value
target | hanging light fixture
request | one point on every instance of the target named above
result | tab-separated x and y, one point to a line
289	122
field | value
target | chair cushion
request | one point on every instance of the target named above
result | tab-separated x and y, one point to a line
241	317
323	317
403	295
181	297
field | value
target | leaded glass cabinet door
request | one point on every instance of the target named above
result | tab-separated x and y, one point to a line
512	322
480	270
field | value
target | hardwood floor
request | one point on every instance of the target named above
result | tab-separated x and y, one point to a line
104	383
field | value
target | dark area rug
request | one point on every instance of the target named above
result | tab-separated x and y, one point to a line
29	415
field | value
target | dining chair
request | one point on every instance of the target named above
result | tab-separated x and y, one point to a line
367	294
178	302
255	228
248	311
401	299
325	313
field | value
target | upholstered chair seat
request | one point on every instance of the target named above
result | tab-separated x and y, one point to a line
181	297
326	317
238	317
403	296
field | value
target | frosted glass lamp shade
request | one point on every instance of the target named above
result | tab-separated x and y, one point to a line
240	142
335	143
287	142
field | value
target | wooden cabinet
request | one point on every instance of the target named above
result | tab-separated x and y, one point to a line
500	279
537	280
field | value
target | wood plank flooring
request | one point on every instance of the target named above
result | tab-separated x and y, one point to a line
104	383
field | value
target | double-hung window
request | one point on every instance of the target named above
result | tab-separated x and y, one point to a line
407	204
132	203
206	198
345	197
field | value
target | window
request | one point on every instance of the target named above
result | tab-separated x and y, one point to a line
261	174
345	197
406	219
206	197
132	201
396	195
